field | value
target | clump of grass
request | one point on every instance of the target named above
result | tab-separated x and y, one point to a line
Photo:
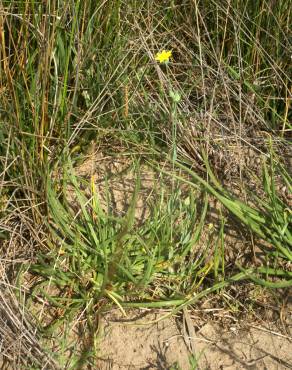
101	259
97	259
270	219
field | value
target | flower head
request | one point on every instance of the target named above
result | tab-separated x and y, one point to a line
163	56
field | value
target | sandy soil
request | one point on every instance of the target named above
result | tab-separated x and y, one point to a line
170	343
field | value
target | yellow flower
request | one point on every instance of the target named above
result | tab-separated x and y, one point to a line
163	56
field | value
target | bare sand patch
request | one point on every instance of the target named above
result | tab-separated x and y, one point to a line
132	344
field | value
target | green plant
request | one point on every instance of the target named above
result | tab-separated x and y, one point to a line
97	259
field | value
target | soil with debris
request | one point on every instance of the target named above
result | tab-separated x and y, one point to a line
138	343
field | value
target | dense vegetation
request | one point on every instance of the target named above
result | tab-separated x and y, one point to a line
78	80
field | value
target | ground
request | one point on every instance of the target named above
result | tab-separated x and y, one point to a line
131	343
